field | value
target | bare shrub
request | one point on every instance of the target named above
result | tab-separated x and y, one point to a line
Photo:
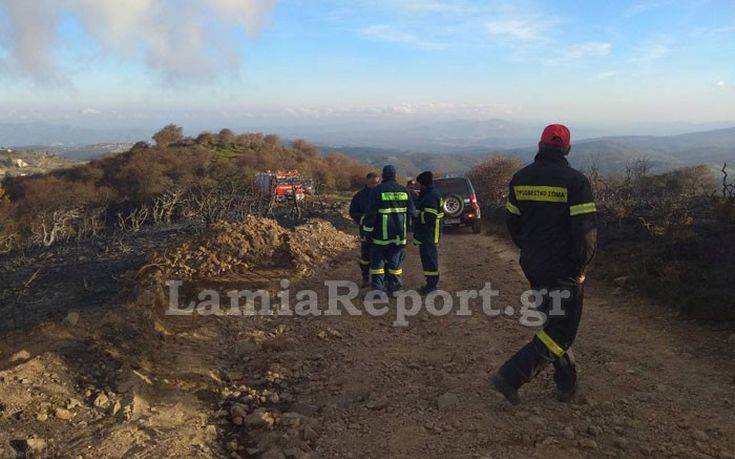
53	226
724	204
91	222
133	221
203	179
165	205
491	178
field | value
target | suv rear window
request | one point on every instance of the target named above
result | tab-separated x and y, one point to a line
460	186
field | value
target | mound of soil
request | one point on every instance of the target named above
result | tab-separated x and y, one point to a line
241	248
314	242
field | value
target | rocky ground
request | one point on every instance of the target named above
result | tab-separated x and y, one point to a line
128	381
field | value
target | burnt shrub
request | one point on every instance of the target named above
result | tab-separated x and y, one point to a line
204	179
671	236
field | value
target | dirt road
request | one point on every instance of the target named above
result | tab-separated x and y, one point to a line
651	384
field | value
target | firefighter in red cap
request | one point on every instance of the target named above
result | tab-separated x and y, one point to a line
551	218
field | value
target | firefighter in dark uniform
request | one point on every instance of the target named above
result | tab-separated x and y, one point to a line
551	218
358	205
427	229
386	223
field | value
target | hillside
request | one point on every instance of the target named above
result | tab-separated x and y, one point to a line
19	163
411	163
664	152
609	154
453	147
177	179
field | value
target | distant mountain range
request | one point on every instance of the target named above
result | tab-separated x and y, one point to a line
52	134
446	146
609	154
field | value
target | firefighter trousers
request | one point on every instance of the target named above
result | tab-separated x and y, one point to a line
385	266
551	344
365	259
430	263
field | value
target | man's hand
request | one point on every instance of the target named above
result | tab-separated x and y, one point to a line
581	278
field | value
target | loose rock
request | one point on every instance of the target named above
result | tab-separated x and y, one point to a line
63	414
36	444
72	319
447	401
700	435
19	356
258	419
378	404
273	453
588	443
101	400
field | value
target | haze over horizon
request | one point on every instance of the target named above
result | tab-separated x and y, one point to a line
134	64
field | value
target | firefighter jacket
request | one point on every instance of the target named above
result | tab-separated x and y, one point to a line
427	225
386	217
358	206
551	218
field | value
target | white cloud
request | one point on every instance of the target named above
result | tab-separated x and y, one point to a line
524	30
606	75
433	6
589	49
721	84
388	33
650	52
250	14
176	37
644	6
727	29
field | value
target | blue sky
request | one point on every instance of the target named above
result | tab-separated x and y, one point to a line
602	62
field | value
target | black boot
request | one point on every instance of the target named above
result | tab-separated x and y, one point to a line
501	386
567	395
565	377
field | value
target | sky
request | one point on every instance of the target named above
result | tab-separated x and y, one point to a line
312	61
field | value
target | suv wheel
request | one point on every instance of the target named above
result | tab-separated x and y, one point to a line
453	206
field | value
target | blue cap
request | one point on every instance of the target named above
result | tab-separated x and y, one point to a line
389	172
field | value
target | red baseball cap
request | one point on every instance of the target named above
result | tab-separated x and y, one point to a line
556	135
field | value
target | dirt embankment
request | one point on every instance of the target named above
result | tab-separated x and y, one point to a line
130	381
233	250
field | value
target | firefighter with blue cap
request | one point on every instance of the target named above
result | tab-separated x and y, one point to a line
386	223
427	229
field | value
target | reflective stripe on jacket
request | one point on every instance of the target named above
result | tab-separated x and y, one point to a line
428	224
358	206
386	216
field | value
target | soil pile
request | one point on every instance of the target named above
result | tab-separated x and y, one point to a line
230	250
314	242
